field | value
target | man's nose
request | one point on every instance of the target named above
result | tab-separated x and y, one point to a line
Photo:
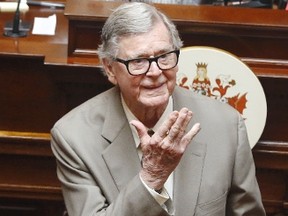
154	69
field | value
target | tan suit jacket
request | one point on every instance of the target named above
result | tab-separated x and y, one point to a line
98	165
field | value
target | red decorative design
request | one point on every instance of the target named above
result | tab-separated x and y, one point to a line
202	85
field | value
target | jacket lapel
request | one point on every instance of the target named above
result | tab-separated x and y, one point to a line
122	159
187	179
121	155
188	174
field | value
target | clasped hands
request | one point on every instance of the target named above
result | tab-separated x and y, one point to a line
163	151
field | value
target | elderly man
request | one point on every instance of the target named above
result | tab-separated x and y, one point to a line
109	162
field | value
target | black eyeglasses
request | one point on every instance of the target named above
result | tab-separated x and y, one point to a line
140	66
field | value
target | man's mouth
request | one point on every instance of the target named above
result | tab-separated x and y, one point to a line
154	86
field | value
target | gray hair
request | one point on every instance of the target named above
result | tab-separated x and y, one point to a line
132	18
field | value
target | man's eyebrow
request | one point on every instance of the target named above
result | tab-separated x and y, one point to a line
145	55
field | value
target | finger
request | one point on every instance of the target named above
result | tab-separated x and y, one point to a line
190	135
179	127
187	119
165	127
177	130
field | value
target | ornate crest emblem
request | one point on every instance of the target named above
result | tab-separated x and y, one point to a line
221	75
219	90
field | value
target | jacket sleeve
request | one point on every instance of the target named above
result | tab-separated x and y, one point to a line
244	197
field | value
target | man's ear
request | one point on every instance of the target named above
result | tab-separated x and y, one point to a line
109	70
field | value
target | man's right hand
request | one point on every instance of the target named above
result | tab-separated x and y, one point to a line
163	151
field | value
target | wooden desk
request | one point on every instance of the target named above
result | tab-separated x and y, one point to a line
42	78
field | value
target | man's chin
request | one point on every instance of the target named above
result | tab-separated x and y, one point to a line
154	101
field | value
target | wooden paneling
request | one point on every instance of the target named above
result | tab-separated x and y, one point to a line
39	83
271	160
255	33
36	95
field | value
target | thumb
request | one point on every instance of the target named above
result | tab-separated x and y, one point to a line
140	128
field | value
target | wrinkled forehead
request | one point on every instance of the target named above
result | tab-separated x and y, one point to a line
154	42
